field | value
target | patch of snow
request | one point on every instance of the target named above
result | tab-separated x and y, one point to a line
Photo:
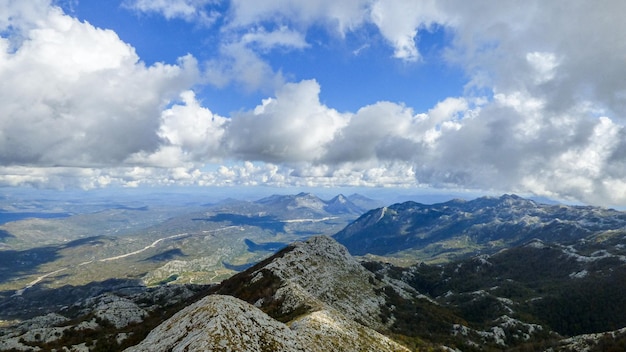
382	214
579	274
536	243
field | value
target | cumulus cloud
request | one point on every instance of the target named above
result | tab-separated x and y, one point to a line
565	54
242	66
189	133
72	94
399	21
292	127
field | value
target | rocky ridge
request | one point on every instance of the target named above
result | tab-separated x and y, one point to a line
459	229
101	320
225	323
311	296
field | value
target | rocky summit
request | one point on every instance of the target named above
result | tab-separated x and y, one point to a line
311	296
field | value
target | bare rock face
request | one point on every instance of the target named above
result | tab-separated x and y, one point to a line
320	273
327	330
118	311
225	323
220	323
312	296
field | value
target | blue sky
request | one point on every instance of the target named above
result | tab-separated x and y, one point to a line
430	95
356	70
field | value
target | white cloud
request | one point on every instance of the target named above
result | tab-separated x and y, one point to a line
189	133
292	127
188	10
578	46
76	95
282	37
544	65
399	21
243	66
341	16
196	130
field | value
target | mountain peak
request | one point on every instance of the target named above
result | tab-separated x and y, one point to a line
305	194
310	296
340	204
220	323
340	198
318	273
300	200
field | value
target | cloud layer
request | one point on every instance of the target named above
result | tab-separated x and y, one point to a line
74	95
543	110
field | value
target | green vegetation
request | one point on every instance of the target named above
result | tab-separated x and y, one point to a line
532	284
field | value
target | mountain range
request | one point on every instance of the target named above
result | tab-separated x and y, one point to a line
458	228
534	277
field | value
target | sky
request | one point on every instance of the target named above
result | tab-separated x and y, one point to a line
524	97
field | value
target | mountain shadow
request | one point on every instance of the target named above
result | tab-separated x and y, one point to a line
14	264
38	300
267	246
5	234
8	216
265	222
167	255
94	240
241	267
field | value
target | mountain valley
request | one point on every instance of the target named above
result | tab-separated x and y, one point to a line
204	244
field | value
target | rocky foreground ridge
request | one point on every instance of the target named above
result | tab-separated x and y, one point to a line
311	296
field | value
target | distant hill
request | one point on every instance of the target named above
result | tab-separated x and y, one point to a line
340	204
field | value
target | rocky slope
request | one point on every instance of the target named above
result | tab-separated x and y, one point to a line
316	297
101	316
536	293
311	296
225	323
